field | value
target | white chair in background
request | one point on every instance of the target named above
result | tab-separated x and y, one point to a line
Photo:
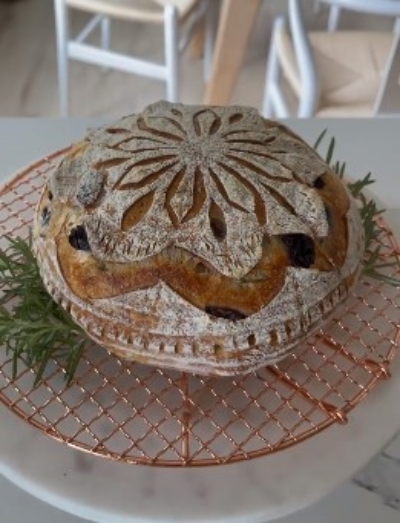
341	73
171	14
336	7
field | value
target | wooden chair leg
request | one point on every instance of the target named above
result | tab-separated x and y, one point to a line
334	16
105	33
61	16
171	52
272	74
211	23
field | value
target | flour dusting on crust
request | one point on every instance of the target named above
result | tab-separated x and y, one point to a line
216	182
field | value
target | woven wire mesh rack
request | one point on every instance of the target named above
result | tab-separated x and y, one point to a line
138	414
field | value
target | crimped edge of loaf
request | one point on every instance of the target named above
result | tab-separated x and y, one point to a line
187	354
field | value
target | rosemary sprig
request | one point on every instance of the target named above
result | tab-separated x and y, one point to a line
374	267
33	328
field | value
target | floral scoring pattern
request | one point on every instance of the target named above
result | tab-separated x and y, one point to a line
213	181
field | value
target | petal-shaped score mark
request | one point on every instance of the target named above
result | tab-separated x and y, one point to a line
217	222
137	211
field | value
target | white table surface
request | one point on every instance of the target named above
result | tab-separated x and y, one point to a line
375	493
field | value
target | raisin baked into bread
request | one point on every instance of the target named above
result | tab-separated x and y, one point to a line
204	239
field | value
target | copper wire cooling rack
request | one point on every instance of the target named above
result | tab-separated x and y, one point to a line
138	414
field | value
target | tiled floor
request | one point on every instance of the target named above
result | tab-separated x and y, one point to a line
28	82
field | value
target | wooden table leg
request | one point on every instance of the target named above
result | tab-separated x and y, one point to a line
236	22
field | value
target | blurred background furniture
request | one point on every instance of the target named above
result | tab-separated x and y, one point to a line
236	22
168	13
336	7
341	73
30	87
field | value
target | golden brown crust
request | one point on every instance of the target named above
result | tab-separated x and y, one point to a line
189	276
193	278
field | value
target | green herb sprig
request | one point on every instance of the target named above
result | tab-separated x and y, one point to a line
374	267
36	330
33	328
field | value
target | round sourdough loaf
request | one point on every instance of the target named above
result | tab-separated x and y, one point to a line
204	239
